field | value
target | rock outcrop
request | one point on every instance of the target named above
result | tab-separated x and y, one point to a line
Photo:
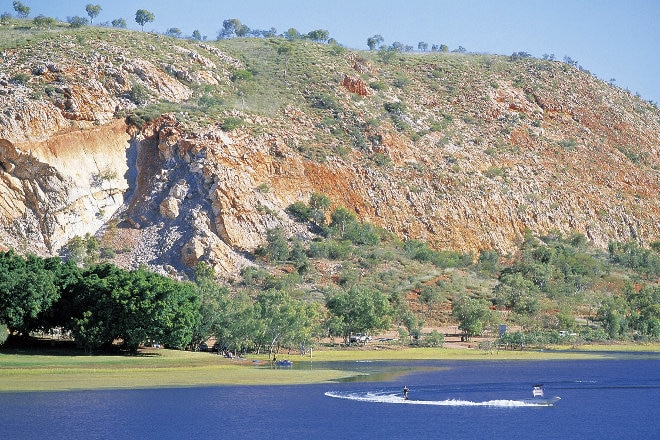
470	161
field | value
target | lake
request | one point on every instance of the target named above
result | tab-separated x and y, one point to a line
614	398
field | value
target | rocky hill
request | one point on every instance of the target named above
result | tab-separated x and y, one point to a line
174	152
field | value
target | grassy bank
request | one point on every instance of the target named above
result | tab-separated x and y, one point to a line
169	368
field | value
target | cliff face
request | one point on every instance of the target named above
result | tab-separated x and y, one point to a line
465	152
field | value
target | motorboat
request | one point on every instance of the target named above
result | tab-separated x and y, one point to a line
538	397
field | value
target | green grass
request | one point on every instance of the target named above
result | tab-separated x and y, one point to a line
169	368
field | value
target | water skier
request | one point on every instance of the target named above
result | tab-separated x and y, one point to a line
405	392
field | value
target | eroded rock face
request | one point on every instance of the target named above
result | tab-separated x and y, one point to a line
69	184
165	195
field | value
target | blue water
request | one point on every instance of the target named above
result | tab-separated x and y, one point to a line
605	399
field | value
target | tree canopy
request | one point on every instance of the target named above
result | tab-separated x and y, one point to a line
93	11
142	17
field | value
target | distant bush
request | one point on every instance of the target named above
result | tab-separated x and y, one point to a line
241	74
231	123
44	22
138	94
77	22
21	78
397	108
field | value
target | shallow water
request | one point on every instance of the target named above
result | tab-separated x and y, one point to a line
448	399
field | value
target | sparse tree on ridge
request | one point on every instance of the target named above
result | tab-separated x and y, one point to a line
42	21
318	35
196	35
93	11
173	32
22	10
374	41
142	17
422	46
233	28
119	23
292	34
77	21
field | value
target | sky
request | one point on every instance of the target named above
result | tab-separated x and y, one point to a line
613	39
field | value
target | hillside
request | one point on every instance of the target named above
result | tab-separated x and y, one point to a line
174	152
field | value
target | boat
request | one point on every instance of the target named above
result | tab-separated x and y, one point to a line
284	363
538	397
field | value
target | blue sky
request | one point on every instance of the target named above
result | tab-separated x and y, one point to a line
612	39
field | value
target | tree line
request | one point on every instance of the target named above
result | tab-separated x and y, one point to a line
540	289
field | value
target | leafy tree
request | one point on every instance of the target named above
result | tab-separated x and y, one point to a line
318	35
341	219
612	314
93	11
5	18
42	21
277	248
359	310
645	309
318	206
27	290
471	314
373	42
113	304
119	23
142	17
77	21
516	292
84	251
292	34
173	32
233	28
196	35
430	296
22	10
422	46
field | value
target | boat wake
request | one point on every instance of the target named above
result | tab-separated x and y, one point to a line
395	398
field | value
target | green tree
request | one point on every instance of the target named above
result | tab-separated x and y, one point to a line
341	219
119	23
430	296
277	248
233	28
27	290
517	293
93	11
318	35
196	35
41	21
173	32
292	34
113	304
471	314
612	314
359	310
77	21
373	42
318	207
645	310
142	17
422	46
22	10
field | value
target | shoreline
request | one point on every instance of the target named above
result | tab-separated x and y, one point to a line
158	368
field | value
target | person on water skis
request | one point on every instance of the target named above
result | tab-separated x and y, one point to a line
405	392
